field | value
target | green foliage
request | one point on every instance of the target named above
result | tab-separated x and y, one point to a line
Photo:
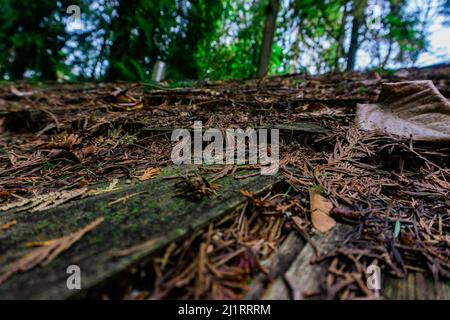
235	51
193	46
31	39
215	39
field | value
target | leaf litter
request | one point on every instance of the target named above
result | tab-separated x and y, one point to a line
393	189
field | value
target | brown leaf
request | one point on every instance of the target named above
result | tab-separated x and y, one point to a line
45	254
320	212
150	173
410	108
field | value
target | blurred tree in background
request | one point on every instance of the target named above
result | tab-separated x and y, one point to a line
31	38
216	39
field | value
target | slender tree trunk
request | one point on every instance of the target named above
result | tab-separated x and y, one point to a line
296	50
99	56
271	13
358	20
387	57
340	39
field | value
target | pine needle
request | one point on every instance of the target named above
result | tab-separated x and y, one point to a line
45	254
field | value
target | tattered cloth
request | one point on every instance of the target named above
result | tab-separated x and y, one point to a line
411	109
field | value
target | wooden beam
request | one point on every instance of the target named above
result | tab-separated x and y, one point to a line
155	213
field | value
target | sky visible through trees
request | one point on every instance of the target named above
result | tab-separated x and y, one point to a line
217	39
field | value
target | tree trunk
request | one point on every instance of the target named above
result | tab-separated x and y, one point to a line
296	50
387	57
340	39
358	20
271	12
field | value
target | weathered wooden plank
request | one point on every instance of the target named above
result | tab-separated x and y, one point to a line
416	286
299	127
302	127
277	265
154	214
303	275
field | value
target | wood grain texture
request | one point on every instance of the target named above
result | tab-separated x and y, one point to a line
302	275
415	286
153	214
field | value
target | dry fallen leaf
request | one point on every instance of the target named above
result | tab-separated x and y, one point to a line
320	212
410	108
45	254
150	173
